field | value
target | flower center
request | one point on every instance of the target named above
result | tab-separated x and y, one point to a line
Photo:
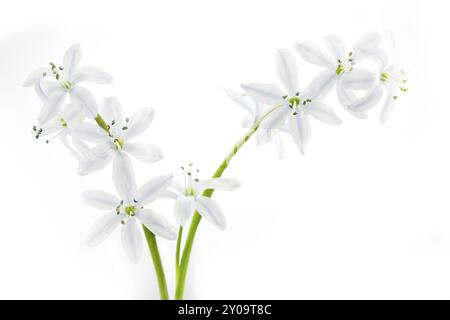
394	79
345	65
190	177
296	103
56	71
130	211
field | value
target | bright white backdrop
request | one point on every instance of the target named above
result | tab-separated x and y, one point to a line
364	214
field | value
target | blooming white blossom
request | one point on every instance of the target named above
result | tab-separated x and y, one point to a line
52	84
128	209
188	197
390	78
117	139
254	111
341	64
291	105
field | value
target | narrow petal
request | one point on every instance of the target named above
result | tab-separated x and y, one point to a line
279	145
36	76
322	112
93	74
240	100
112	110
387	108
85	98
145	152
103	228
369	39
209	210
123	177
337	46
287	71
184	209
132	239
320	86
90	165
314	54
72	113
218	184
90	132
157	224
139	122
100	200
300	130
359	79
346	98
377	55
151	190
265	93
368	101
71	60
275	119
51	107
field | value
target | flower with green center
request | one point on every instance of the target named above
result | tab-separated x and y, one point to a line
52	84
188	197
116	137
291	108
128	210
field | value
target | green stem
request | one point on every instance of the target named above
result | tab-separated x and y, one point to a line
182	270
153	246
151	240
177	255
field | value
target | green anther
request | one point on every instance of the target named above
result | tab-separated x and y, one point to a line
384	76
67	84
340	69
294	101
119	143
131	210
63	122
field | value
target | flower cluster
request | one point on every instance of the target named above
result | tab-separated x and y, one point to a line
97	135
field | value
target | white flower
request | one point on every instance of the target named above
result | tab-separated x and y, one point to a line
255	111
118	140
53	84
340	65
188	198
291	105
128	210
390	78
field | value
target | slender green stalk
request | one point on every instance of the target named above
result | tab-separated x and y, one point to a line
182	270
153	246
151	240
177	254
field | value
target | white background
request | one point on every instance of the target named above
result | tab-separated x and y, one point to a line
365	214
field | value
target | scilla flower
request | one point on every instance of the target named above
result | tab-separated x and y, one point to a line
52	84
291	105
188	197
115	137
128	209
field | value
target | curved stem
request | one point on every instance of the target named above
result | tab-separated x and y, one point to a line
153	246
177	254
151	239
182	270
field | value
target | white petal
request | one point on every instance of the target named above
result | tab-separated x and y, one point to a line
346	98
322	112
265	93
337	46
85	98
145	152
218	184
93	74
72	113
103	228
387	108
132	239
90	132
276	118
314	54
139	122
151	190
169	194
36	76
287	71
51	107
123	177
263	136
369	39
377	55
358	79
100	200
300	130
240	100
71	60
89	165
209	210
320	86
112	110
368	101
157	224
184	209
279	145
